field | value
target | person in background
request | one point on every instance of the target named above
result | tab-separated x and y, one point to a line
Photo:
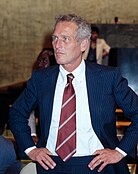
99	49
45	58
8	159
91	94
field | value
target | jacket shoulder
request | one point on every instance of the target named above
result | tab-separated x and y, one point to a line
93	67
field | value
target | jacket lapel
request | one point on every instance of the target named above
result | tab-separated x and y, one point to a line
48	97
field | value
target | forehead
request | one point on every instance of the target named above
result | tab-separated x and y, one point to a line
65	28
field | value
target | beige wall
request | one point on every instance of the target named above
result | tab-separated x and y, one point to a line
25	24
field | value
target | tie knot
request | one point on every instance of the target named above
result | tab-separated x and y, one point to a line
70	77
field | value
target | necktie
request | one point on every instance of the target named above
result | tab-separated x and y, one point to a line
66	140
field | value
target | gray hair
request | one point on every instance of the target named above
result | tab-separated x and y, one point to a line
84	28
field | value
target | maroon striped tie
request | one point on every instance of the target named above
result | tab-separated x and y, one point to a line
66	140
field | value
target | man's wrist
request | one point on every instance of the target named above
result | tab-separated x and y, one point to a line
121	151
29	149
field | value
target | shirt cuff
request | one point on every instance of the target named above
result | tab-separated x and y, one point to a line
33	134
121	151
29	149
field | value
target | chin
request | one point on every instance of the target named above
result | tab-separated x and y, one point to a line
60	60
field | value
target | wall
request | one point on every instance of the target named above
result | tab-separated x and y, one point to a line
120	35
25	26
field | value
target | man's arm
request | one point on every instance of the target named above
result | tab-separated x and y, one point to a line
106	49
32	124
20	113
128	101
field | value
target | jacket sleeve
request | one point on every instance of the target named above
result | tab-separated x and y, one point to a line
20	113
127	100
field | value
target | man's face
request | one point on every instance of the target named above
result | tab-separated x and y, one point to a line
44	59
68	51
94	35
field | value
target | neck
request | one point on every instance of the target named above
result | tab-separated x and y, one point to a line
71	67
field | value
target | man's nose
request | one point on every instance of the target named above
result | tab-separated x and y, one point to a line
58	43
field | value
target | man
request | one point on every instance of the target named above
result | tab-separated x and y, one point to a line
99	49
95	91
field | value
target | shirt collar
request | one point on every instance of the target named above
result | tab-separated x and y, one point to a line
78	73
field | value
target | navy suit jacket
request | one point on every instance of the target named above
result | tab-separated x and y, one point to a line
106	90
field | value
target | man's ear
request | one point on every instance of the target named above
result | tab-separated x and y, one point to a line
84	44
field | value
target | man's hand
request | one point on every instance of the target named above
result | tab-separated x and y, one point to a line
105	157
104	54
41	155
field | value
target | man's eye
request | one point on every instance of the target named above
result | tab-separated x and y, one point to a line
54	38
65	38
